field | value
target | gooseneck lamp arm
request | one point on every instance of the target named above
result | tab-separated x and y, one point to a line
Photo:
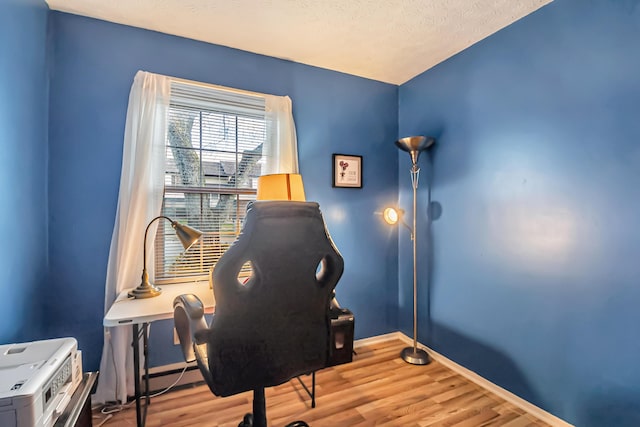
145	275
187	236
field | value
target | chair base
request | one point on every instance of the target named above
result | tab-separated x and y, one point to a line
247	421
259	416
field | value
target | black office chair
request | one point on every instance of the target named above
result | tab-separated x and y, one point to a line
276	325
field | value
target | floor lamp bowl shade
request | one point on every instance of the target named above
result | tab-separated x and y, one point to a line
414	145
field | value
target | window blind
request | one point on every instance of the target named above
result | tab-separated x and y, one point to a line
213	158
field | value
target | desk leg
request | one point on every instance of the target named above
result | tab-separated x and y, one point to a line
313	387
141	415
145	348
312	392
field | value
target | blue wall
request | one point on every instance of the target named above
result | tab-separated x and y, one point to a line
536	179
23	141
529	200
94	63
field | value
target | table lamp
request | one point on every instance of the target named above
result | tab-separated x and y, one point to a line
187	236
281	186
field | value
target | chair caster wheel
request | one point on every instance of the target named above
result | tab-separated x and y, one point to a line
247	421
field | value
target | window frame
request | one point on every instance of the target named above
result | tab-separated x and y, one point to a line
213	99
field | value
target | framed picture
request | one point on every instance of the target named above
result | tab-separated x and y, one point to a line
347	171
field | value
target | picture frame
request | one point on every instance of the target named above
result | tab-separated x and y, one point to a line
347	171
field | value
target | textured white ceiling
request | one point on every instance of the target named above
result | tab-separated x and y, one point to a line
387	40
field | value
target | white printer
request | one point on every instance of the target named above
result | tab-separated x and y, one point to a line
37	380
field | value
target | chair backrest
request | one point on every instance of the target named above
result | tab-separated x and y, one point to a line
275	325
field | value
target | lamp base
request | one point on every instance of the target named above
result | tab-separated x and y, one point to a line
145	290
415	356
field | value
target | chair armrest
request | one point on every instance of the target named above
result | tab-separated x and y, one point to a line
188	317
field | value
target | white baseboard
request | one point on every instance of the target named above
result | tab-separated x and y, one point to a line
515	400
378	339
171	367
162	377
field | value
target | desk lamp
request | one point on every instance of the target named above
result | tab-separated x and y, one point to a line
187	236
414	145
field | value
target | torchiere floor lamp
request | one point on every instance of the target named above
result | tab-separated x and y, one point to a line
414	145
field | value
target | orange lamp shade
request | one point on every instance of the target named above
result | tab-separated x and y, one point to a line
281	186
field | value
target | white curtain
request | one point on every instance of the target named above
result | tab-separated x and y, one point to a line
139	201
281	146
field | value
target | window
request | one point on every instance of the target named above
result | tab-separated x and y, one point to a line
214	155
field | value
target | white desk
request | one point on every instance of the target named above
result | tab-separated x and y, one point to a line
128	311
139	313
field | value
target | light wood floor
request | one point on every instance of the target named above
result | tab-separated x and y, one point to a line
377	388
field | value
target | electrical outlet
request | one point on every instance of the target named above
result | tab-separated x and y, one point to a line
176	340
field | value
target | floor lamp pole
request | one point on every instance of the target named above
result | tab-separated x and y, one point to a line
414	145
414	355
415	174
